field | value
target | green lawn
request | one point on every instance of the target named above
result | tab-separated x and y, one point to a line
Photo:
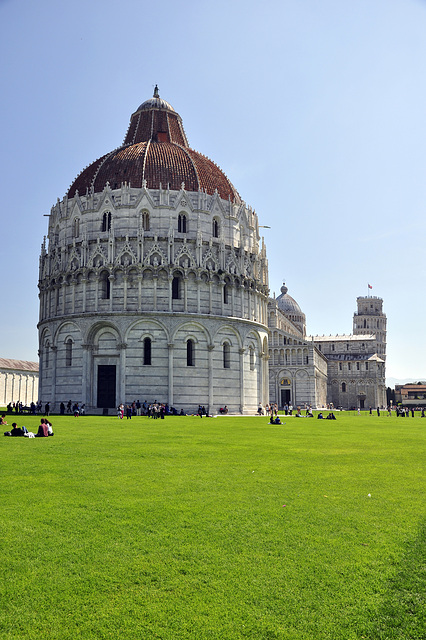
220	528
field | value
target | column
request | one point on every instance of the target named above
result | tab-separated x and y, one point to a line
122	372
111	292
84	287
210	348
170	346
241	352
155	281
139	293
210	296
85	382
53	386
170	293
185	294
125	281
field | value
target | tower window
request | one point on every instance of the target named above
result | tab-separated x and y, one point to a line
106	221
343	387
147	351
176	288
190	353
251	359
215	228
182	223
226	356
226	293
145	220
105	286
76	228
68	353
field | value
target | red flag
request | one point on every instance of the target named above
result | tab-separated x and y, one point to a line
369	286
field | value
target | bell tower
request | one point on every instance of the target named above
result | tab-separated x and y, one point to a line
370	319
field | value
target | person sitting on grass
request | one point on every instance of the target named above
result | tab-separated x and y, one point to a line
43	431
277	420
331	416
16	431
3	419
320	416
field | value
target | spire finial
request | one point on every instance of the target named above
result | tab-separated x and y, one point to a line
156	94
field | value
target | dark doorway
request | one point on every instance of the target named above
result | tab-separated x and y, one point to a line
285	397
361	403
106	386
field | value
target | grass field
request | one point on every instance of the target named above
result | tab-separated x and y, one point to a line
222	528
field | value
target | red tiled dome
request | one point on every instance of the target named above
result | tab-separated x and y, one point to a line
156	150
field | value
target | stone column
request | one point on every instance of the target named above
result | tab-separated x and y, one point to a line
170	346
210	348
111	291
139	293
64	296
233	300
185	294
84	288
125	282
222	307
53	385
86	384
170	292
155	284
199	281
73	296
96	293
241	351
210	296
122	373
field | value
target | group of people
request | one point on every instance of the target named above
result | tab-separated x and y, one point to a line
72	407
45	430
19	408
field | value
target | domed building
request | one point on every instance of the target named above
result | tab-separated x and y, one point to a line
154	281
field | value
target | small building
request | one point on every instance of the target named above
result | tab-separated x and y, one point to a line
411	395
18	381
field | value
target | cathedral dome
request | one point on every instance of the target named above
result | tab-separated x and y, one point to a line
291	309
287	304
155	152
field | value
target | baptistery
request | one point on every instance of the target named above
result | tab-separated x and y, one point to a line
153	280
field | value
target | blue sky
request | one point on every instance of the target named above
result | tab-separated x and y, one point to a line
314	109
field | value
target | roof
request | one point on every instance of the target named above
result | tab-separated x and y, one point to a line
21	365
344	338
155	150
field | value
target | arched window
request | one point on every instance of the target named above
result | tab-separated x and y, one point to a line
176	288
215	228
226	355
105	286
226	293
182	223
76	227
147	351
47	347
145	220
190	353
251	350
343	387
106	221
68	353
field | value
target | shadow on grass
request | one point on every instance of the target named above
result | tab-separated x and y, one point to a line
403	613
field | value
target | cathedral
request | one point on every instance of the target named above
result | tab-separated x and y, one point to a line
153	285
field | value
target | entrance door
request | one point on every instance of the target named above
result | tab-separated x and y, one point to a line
285	397
361	403
106	386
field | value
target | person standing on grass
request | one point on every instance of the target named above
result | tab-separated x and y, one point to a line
378	411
